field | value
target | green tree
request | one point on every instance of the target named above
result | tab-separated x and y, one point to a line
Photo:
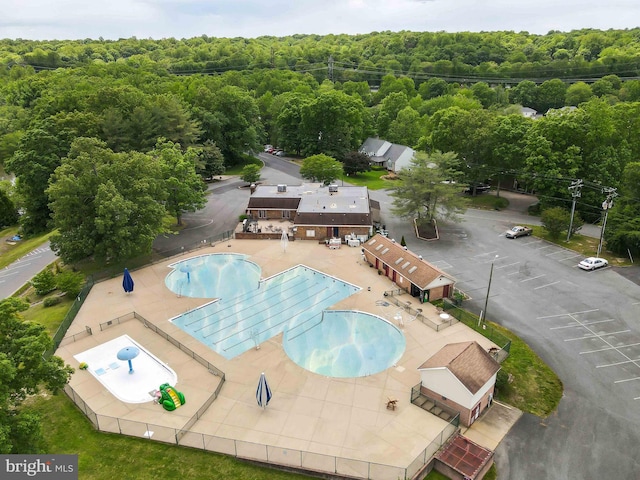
355	162
33	163
525	94
69	282
8	211
210	160
623	224
250	173
551	94
321	168
229	117
555	220
333	124
185	188
406	128
24	372
44	282
578	93
426	189
106	204
432	88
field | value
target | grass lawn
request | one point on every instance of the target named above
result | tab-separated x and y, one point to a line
373	179
103	456
50	317
487	202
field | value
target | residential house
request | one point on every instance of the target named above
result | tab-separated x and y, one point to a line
389	155
462	376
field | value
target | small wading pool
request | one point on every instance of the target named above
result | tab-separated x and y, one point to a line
148	371
344	344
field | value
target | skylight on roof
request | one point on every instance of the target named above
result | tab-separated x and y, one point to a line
399	260
406	265
413	269
384	251
379	247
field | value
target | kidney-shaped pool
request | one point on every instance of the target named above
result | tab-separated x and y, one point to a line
344	344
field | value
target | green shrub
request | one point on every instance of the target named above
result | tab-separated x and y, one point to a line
69	282
44	282
534	209
500	203
555	220
51	301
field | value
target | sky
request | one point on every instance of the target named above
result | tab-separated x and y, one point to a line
157	19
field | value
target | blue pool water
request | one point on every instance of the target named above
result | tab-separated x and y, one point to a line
248	311
344	344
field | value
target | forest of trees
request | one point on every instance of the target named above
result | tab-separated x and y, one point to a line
170	109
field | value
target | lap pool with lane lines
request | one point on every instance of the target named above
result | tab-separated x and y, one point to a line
248	311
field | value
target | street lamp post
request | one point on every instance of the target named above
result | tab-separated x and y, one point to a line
486	300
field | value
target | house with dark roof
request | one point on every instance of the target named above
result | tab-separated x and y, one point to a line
407	270
462	376
317	211
391	156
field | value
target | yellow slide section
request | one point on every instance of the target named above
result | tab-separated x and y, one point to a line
174	396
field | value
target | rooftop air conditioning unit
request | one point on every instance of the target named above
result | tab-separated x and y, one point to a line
282	188
333	188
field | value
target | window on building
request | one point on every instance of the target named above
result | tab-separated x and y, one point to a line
262	214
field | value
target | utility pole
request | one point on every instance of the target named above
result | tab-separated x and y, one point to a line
575	193
606	205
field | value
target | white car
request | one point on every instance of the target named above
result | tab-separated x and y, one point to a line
592	263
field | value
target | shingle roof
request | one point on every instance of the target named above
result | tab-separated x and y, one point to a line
467	361
420	272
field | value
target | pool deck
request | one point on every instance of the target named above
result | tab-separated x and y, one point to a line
333	416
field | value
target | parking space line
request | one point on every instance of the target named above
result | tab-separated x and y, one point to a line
583	324
546	246
485	254
610	348
547	285
513	273
570	314
531	242
507	265
627	380
555	253
596	335
532	278
618	363
569	258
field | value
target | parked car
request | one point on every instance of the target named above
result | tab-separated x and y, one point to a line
591	263
479	187
280	153
518	231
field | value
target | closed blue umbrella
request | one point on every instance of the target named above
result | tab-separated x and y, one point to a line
263	393
127	281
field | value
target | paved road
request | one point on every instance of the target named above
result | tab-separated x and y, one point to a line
22	270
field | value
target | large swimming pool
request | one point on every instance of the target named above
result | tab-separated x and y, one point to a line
248	311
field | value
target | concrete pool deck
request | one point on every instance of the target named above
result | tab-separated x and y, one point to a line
344	417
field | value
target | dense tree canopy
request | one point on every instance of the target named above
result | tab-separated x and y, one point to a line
24	372
442	91
107	204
